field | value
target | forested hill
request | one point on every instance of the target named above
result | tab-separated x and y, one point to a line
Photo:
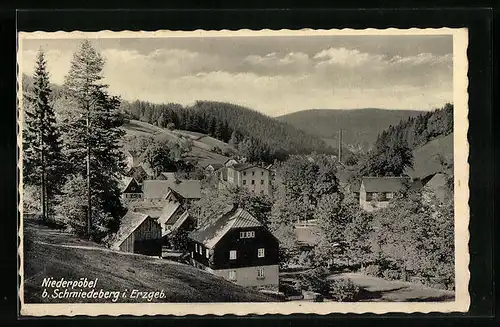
360	127
231	123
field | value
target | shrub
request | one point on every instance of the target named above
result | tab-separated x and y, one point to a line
316	281
373	270
392	274
343	290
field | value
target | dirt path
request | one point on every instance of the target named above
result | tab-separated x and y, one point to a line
379	289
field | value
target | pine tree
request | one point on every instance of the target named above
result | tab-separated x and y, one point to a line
42	157
91	138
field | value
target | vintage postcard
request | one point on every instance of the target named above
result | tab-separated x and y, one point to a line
243	172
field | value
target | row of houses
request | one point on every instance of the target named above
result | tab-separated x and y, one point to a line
233	245
376	192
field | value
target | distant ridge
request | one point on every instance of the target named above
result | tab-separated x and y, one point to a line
359	126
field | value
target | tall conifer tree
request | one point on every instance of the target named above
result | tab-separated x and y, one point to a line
42	157
91	137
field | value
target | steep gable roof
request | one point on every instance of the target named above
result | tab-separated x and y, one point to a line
124	183
211	233
178	223
157	189
168	211
384	184
128	224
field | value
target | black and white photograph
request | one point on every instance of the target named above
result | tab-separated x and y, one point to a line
243	172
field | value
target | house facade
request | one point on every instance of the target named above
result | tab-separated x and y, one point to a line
131	189
252	177
138	233
377	192
237	247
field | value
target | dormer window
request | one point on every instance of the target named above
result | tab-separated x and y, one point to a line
248	234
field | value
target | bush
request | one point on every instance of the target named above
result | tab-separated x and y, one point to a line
316	281
343	290
372	270
392	274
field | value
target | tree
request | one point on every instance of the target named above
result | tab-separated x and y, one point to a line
388	160
161	156
91	139
42	155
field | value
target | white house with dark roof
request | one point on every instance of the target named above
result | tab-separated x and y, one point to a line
237	247
252	177
376	192
138	233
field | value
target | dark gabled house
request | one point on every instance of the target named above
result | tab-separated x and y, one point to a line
237	247
130	188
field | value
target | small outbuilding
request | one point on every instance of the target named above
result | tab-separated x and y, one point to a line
138	233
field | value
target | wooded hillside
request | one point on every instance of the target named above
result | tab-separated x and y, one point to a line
230	123
360	127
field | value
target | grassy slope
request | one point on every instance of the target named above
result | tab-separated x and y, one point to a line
119	271
359	126
425	157
201	154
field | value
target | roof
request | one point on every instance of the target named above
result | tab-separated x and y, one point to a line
153	212
215	166
384	184
211	233
168	210
124	183
156	189
245	166
439	180
180	221
128	224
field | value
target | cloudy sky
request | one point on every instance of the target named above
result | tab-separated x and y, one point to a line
274	74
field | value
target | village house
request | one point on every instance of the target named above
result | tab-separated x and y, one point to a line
212	168
237	247
138	233
130	188
174	216
230	162
376	192
252	177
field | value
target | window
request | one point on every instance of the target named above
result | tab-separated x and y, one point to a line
389	195
244	182
244	173
196	248
207	253
260	273
249	234
192	254
232	255
201	250
261	182
261	173
261	252
253	173
253	181
232	275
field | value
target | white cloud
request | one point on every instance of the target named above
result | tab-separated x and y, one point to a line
274	83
